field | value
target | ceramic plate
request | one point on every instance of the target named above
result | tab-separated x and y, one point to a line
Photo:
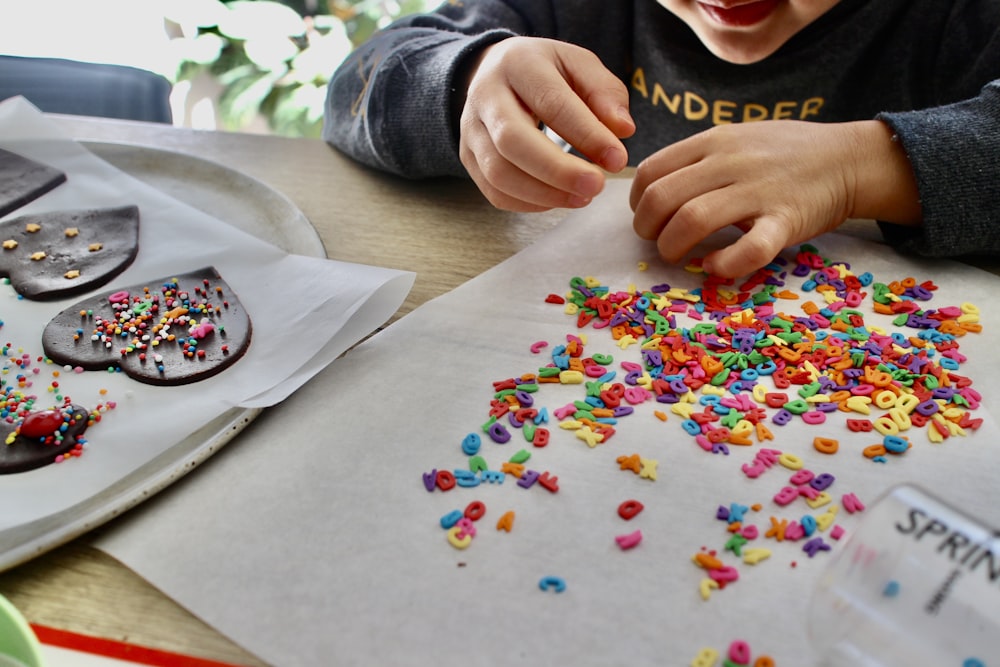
239	200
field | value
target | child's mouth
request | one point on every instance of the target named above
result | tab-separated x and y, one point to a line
741	15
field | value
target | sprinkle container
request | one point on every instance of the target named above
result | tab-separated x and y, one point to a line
917	583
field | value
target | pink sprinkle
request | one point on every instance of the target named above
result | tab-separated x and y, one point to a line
539	346
851	503
78	369
837	532
202	330
725	575
629	541
765	310
565	411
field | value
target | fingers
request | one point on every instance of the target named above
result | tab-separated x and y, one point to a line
521	82
779	182
757	247
509	187
679	220
763	236
692	198
669	160
680	196
695	219
586	105
519	168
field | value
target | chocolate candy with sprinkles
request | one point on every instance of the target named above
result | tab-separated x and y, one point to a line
60	254
173	331
38	438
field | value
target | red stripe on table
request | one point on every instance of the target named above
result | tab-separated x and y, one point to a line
110	648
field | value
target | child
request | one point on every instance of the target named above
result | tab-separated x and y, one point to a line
783	117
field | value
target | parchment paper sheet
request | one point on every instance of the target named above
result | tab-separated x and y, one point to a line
316	543
305	311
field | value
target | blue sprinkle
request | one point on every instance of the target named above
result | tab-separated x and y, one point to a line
891	589
553	583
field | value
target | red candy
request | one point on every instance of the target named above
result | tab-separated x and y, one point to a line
39	425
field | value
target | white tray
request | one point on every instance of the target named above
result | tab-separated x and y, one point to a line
228	195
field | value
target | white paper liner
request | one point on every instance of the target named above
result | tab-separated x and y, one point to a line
305	311
318	543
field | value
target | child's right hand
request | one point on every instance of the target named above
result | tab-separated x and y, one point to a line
516	85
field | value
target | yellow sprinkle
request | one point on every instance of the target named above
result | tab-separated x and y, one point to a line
756	555
626	341
859	404
456	541
588	436
571	377
682	409
825	520
823	498
706	587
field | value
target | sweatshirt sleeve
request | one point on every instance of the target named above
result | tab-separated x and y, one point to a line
955	154
389	103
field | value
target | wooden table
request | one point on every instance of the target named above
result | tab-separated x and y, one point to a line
444	231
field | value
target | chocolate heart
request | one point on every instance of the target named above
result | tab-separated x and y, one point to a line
177	331
23	180
62	253
34	439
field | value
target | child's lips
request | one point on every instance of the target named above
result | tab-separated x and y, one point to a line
740	15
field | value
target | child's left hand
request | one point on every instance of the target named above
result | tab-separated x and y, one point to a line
781	182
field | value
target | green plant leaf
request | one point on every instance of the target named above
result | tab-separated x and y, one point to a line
242	100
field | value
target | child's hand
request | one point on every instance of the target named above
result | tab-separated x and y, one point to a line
521	82
781	182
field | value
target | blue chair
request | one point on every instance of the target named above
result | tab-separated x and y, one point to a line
86	89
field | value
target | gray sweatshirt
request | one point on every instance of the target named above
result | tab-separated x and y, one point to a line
928	68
